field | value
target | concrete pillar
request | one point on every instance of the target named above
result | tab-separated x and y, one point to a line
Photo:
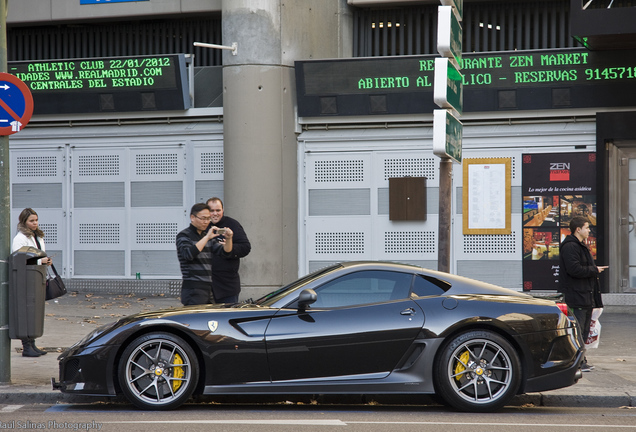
260	128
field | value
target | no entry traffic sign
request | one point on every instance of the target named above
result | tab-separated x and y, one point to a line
16	104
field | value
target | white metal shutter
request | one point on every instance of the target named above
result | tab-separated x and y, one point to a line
38	181
347	215
99	180
209	170
358	160
156	209
124	192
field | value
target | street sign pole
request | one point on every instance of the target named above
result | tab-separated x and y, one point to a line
5	217
447	129
445	214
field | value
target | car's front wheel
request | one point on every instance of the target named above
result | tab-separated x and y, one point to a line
158	371
477	371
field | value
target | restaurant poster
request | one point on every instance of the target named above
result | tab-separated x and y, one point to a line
555	188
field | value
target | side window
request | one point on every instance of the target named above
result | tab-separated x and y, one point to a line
363	287
428	286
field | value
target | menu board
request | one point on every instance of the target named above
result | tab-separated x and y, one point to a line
486	204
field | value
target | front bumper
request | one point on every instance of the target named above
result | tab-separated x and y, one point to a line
88	371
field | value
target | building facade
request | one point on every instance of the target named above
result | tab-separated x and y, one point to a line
113	187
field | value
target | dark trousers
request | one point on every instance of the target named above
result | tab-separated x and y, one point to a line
584	318
228	299
196	293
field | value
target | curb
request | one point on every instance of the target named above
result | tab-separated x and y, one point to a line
605	401
41	396
570	401
29	397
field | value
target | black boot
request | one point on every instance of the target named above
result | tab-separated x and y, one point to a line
37	350
27	349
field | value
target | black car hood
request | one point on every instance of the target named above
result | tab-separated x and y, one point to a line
171	313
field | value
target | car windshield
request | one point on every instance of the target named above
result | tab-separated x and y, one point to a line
274	296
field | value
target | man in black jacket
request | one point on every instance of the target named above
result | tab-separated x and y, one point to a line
226	283
579	277
195	248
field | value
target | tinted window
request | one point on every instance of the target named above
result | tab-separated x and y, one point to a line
363	287
274	296
427	286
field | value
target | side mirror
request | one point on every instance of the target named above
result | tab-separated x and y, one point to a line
306	297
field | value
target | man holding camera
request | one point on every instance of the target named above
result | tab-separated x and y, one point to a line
226	283
196	246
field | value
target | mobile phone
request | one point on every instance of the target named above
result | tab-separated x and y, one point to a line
220	231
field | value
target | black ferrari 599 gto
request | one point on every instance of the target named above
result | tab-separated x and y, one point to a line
351	328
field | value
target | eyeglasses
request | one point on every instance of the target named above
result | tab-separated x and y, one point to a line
204	219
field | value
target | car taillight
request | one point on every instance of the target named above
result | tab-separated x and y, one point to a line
563	307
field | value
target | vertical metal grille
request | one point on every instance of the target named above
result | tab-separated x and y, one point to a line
488	26
403	31
339	171
116	39
410	167
211	163
409	242
156	232
340	243
153	164
98	165
99	233
36	166
50	233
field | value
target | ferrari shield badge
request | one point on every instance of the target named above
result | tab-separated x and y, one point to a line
213	325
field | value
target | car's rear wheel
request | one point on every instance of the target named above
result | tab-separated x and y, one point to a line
158	371
477	371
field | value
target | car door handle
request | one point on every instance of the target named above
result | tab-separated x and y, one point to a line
409	311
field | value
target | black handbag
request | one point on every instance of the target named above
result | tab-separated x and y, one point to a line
55	286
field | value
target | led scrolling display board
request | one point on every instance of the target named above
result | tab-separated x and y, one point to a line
106	84
518	80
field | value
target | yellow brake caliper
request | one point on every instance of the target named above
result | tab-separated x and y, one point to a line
463	359
178	372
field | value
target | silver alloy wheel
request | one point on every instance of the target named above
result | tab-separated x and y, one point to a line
158	373
480	371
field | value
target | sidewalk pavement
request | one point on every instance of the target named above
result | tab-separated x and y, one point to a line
69	318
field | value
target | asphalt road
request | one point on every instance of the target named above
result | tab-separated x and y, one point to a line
308	418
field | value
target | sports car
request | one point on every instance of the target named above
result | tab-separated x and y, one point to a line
350	328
